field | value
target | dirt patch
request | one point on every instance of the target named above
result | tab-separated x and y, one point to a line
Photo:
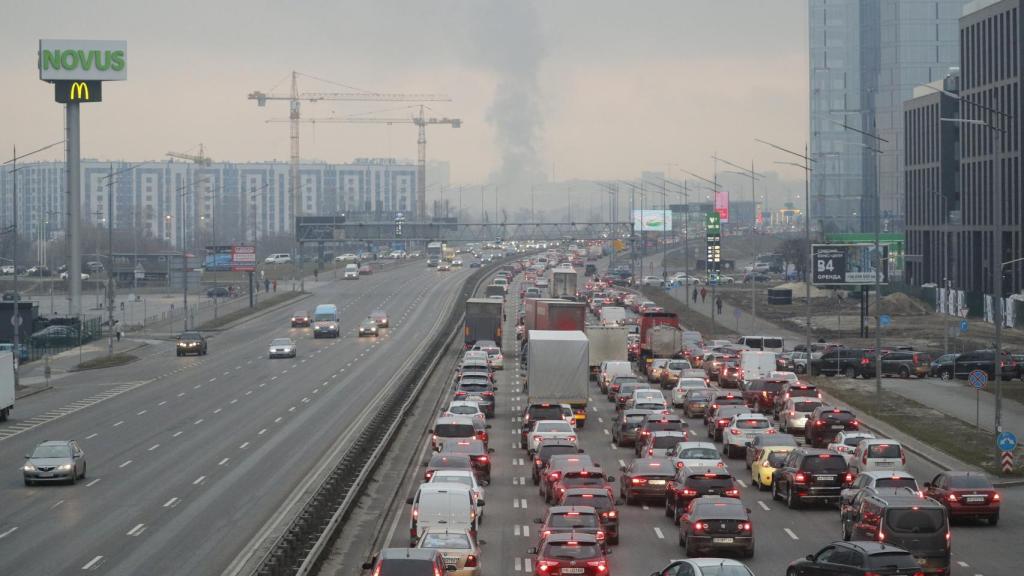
107	362
899	304
954	437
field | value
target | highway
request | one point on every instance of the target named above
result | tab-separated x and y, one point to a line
648	537
190	458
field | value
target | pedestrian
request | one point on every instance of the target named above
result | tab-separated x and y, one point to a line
118	335
694	294
718	303
316	274
266	284
275	285
703	295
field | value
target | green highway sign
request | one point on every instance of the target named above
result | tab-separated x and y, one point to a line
102	60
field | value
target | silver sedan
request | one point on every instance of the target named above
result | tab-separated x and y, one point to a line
282	348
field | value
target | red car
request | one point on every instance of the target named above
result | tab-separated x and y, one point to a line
570	553
300	319
965	495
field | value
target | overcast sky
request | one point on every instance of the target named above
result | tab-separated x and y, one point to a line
588	89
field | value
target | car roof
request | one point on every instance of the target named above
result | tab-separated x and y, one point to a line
663	433
408	554
55	442
563	537
701	470
718	507
593	491
876	474
454	419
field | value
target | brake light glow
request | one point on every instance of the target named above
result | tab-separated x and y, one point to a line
700	526
471	561
735	431
995	496
951	498
800	478
639	480
745	526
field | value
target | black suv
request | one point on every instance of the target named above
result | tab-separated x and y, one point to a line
825	422
546	450
983	360
900	363
191	343
846	361
809	474
918	524
690	483
856	559
626	426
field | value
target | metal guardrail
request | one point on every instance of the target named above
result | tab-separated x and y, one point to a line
302	546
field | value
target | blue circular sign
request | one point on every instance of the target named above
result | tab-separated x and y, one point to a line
963	325
1006	441
885	320
977	378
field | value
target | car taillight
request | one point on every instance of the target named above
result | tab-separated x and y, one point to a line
600	534
471	561
792	412
800	478
483	459
689	492
639	480
537	438
554	475
745	526
429	475
650	451
612	514
545	534
848	478
546	565
538	462
572	438
855	423
700	526
951	498
732	492
679	465
819	422
645	433
415	513
599	565
864	361
770	431
735	431
995	497
723	422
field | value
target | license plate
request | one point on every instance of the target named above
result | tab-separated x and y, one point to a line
572	570
46	474
974	499
722	540
825	478
837	427
884	464
657	482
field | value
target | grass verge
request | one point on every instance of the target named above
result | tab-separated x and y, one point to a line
953	436
107	362
263	304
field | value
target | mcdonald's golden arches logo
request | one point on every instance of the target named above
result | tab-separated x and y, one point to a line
78	91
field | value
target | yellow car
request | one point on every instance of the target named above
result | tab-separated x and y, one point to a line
765	464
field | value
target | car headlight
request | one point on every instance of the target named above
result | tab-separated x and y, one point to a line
334	326
64	467
28	468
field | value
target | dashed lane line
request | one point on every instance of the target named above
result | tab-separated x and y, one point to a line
763	505
92	482
198	480
657	531
125	463
50	416
8	532
171	503
791	534
93	564
138	529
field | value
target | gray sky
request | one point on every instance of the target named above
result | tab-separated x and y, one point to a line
587	88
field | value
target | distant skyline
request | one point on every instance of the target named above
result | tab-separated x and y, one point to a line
575	89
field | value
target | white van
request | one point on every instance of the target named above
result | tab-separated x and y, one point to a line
444	505
351	272
765	343
278	259
878	454
756	365
612	368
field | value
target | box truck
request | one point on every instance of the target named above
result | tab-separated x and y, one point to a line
482	321
564	283
607	343
552	314
6	384
558	370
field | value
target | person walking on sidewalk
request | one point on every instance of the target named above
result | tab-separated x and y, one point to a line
718	304
694	294
703	295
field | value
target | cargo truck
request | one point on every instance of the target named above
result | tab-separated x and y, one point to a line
649	320
563	283
558	370
607	343
552	314
482	321
6	384
612	314
664	341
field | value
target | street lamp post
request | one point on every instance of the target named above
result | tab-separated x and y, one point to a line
754	177
707	264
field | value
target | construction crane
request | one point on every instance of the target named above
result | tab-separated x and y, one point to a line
295	98
421	122
201	158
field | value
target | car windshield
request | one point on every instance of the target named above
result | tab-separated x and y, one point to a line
52	452
281	342
890	560
915	520
678	365
552	412
803	393
570	551
700	396
300	314
666	441
190	336
970	481
445	540
454	430
553	427
464	409
884	451
654	467
474	386
546	452
704	482
827	463
775	459
896	482
753	424
852	441
650	405
667	425
725	570
573	520
598	501
699	454
805	406
324	317
635	418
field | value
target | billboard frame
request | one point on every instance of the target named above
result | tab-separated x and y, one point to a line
825	258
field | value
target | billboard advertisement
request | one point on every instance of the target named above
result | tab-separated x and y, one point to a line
101	60
230	258
652	220
848	264
722	205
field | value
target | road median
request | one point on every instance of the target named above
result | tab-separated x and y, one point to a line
264	306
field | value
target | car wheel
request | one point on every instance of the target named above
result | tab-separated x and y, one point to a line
775	491
669	512
791	502
74	477
993	519
83	472
749	553
946	375
850	372
691	550
800	369
613	540
904	372
536	480
753	481
747	462
28	482
845	532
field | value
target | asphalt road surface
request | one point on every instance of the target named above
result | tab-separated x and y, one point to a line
188	458
648	538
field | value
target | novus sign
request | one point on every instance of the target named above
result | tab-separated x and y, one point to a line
102	60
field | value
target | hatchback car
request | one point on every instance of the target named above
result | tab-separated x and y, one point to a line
282	348
741	430
690	483
693	454
479	455
557	466
380	317
406	562
446	461
766	462
795	412
460	552
857	559
794	390
684	385
645	479
760	442
704	567
695	402
600	500
660	442
713	523
546	450
301	319
571	519
54	461
626	426
368	327
570	553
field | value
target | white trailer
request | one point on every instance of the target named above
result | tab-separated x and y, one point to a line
6	384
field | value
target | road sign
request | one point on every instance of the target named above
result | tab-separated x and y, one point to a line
885	320
848	264
963	326
1007	462
16	320
977	378
1007	441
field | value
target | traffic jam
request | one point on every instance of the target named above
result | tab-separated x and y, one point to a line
628	444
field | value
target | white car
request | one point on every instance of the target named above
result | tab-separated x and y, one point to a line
794	414
742	429
282	348
695	455
398	254
349	257
278	259
783	376
846	443
652	281
64	276
466	408
660	442
681	278
546	429
683	386
494	357
466	478
471	356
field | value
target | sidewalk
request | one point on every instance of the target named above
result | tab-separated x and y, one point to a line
32	377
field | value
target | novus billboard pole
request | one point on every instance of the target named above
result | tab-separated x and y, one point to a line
77	70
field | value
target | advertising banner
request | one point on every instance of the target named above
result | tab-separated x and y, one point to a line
652	220
722	205
848	264
230	258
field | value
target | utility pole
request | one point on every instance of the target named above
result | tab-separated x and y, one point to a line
110	262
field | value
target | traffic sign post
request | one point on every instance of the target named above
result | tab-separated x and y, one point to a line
885	320
978	379
963	326
1007	443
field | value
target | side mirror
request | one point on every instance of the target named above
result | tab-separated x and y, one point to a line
424	464
927	485
608	552
408	500
481	502
495	388
747	444
482	542
490	450
450	568
748	510
810	557
579	450
531	550
622	468
369	565
430	430
619	502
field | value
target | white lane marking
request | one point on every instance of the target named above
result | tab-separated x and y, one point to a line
292	409
261	432
238	367
606	432
91	436
763	505
181	394
522	480
7	533
226	373
791	534
243	446
118	423
247	392
621	462
199	480
305	399
213	379
262	384
197	422
273	377
161	403
140	413
94	480
234	401
197	386
599	419
153	447
176	434
741	483
278	419
522	503
962	563
223	462
58	503
658	532
527	565
92	563
138	529
171	503
645	507
125	463
217	411
516	530
518	564
526	531
515	502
